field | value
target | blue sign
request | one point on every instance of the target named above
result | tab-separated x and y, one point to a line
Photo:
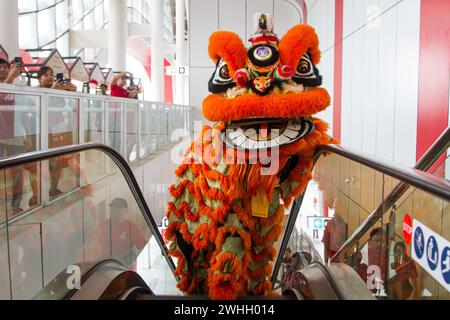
419	242
445	264
432	253
318	223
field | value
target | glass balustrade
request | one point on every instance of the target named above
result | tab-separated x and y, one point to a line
341	196
101	218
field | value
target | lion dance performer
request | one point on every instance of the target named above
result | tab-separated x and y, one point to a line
238	179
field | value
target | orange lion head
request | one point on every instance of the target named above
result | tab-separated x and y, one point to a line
273	84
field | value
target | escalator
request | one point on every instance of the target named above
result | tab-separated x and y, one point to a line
88	241
369	238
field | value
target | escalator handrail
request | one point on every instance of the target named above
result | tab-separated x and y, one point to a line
416	177
424	164
330	278
411	176
85	276
121	164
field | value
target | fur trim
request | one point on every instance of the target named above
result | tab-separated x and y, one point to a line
297	41
270	237
203	233
224	286
305	104
262	288
277	218
262	272
228	46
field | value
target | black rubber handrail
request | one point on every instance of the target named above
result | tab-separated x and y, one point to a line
85	276
121	164
330	278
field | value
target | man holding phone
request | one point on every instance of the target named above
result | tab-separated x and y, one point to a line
9	72
10	144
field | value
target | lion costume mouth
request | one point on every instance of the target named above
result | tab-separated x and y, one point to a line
258	134
272	86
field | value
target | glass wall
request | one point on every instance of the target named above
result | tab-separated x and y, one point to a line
342	195
101	220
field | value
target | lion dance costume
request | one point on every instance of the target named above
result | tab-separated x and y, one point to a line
237	180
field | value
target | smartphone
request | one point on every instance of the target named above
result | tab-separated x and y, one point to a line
60	77
18	61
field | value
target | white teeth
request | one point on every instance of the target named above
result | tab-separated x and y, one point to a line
291	133
292	86
295	127
236	91
251	133
233	134
283	140
239	140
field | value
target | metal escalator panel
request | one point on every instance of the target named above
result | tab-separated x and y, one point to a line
65	210
333	282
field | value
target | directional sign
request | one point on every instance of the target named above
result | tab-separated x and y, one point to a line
432	253
177	71
317	222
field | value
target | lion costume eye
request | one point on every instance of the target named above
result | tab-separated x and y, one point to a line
221	81
307	74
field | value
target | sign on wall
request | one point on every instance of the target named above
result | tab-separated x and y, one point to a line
432	252
177	71
317	222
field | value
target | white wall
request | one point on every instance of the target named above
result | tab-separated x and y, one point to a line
380	73
321	17
208	16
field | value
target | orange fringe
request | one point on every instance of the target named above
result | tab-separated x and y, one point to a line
264	271
224	231
180	263
271	236
224	286
228	46
203	232
277	218
262	288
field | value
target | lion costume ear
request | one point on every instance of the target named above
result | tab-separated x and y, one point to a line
229	47
297	41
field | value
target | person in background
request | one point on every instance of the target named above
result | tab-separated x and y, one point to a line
406	284
133	92
118	86
46	77
103	90
9	72
11	145
127	239
62	137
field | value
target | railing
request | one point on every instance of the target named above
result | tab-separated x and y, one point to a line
426	162
33	119
41	119
84	226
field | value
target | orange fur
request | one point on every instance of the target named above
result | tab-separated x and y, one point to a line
202	231
298	40
228	46
220	108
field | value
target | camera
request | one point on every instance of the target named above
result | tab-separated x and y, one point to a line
60	77
18	61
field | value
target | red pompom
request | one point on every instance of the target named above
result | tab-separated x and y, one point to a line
285	72
241	77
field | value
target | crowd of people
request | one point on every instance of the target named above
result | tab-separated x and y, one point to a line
122	85
19	134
